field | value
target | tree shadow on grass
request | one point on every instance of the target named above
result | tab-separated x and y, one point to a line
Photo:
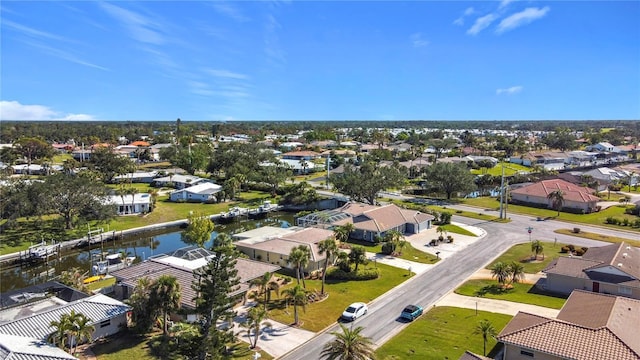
493	289
536	290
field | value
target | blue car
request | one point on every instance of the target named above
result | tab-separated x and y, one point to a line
411	312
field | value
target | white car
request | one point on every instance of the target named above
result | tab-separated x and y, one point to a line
354	311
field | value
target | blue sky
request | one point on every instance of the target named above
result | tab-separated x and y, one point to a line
320	60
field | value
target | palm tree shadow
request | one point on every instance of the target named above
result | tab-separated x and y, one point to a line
493	289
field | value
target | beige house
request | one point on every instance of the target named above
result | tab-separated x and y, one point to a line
275	249
576	198
611	269
589	327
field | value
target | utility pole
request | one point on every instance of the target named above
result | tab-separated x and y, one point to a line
502	194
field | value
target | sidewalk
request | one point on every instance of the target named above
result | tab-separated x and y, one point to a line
496	306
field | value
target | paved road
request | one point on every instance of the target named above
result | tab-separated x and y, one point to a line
427	288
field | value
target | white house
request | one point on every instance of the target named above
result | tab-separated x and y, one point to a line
602	146
137	177
179	181
131	204
203	191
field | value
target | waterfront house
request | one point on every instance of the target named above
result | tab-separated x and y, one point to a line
202	192
178	181
131	204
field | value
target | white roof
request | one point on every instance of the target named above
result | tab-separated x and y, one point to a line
97	308
140	198
201	188
263	233
137	175
27	348
178	178
183	263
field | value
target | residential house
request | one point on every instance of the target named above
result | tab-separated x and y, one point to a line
576	198
181	264
179	181
33	319
601	147
155	151
131	204
581	158
275	249
589	326
145	177
607	176
301	155
371	221
547	160
611	269
201	192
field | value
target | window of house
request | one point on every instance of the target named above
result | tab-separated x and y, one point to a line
105	323
526	353
623	290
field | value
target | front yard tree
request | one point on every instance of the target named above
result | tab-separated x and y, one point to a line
486	329
213	283
450	178
516	271
165	295
32	148
76	197
364	183
501	272
557	200
298	296
349	344
537	249
266	284
198	230
299	257
329	248
109	164
358	256
255	320
143	314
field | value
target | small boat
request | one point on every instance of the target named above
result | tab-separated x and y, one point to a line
262	210
41	251
112	262
93	279
233	213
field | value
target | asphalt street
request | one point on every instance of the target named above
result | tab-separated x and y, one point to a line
382	322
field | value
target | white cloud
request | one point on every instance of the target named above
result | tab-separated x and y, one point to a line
272	48
467	12
226	74
140	27
523	17
32	32
481	23
510	91
65	55
230	11
13	110
418	41
504	3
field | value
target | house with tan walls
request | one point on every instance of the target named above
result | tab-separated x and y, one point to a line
576	198
611	269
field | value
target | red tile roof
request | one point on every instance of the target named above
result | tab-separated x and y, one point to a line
140	143
570	191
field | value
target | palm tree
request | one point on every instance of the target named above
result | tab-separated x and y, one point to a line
266	284
81	329
329	248
516	272
255	320
298	297
165	296
358	256
486	329
299	257
557	199
349	344
61	327
501	272
537	249
341	234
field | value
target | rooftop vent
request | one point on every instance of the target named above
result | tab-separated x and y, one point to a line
619	264
624	255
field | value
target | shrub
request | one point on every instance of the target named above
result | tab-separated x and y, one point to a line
363	274
388	248
571	247
609	220
564	249
445	218
579	252
625	222
576	230
450	238
584	248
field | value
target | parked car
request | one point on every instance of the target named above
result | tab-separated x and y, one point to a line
354	311
411	312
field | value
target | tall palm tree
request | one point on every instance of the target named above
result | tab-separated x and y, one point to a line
349	344
501	272
266	284
81	329
299	257
557	199
486	329
357	256
165	296
61	327
255	320
516	272
341	234
329	248
537	248
298	297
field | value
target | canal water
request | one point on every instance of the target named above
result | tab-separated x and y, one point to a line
142	246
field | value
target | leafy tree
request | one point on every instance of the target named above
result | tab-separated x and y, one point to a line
231	186
486	329
60	335
298	296
329	248
143	313
342	232
165	295
450	178
70	329
254	323
501	272
274	176
516	271
33	148
199	229
80	329
74	277
357	256
537	249
266	284
343	261
441	145
349	344
299	257
364	183
213	285
557	200
109	164
562	138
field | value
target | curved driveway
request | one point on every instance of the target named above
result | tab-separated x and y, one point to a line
382	323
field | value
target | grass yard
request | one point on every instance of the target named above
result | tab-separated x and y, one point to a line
596	218
456	230
600	237
520	293
521	253
341	293
442	333
408	253
428	208
101	283
509	169
132	346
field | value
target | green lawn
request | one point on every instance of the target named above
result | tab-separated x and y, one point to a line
600	237
408	253
101	283
509	169
442	333
596	218
521	253
341	293
131	346
456	229
520	293
428	208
